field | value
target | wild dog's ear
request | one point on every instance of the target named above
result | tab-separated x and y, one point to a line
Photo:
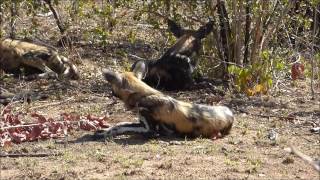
112	77
204	30
139	69
177	30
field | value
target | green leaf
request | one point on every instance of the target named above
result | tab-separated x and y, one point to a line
231	69
269	82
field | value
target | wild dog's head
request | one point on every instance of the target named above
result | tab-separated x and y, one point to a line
127	86
189	41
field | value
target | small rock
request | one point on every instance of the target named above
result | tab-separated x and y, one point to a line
288	160
315	130
158	156
243	115
273	135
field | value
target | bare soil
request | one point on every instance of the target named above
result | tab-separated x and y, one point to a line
247	153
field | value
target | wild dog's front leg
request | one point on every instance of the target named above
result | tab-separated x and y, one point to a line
153	104
141	127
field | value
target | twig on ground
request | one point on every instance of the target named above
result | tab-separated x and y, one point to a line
51	104
30	155
19	126
42	124
315	163
56	16
263	115
136	57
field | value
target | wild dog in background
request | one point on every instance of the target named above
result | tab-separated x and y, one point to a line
174	69
161	114
34	61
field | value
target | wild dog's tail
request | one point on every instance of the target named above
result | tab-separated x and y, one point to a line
230	118
112	77
225	131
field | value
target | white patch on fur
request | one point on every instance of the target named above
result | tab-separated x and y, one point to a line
74	68
228	112
140	70
117	129
143	119
67	71
223	112
64	59
123	123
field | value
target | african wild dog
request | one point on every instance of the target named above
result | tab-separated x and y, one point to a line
163	115
19	57
174	69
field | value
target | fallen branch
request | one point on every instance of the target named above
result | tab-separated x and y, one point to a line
51	104
41	124
265	116
18	126
136	57
30	155
315	163
56	16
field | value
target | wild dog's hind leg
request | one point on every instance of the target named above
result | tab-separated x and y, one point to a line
141	127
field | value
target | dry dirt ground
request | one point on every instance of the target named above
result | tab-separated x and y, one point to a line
247	153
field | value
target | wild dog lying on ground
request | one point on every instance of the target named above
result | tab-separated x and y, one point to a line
34	61
174	69
163	115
